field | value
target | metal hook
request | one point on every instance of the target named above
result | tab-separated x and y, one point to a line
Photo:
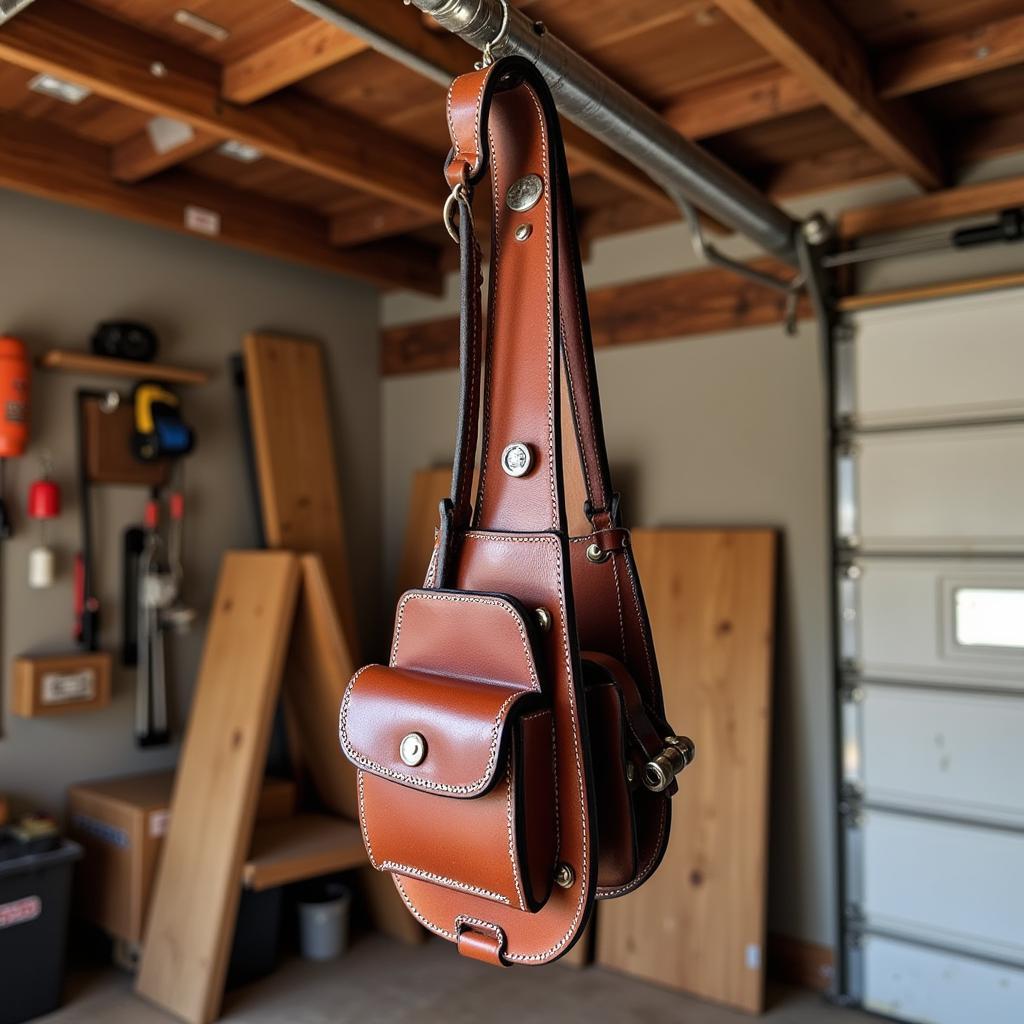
458	194
487	57
706	251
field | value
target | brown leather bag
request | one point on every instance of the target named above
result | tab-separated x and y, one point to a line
514	762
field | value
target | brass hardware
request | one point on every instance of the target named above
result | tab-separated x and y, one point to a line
524	193
595	554
413	749
543	619
457	194
517	459
660	772
523	232
564	876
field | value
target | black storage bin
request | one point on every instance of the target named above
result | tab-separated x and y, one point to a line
35	900
257	931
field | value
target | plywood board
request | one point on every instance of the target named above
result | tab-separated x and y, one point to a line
318	669
195	900
699	923
429	487
296	463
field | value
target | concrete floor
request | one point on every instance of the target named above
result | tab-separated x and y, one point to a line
380	982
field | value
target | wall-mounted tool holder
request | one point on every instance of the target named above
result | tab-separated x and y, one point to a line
59	684
108	423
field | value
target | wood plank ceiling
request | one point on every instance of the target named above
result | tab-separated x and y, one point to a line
796	95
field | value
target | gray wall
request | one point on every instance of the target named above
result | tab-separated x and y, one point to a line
724	429
66	269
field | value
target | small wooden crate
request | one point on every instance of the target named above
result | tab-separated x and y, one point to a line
60	684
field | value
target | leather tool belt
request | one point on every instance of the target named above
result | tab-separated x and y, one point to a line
514	762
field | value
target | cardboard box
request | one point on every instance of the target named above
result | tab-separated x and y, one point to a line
121	824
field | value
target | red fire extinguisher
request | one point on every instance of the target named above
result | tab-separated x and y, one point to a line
15	375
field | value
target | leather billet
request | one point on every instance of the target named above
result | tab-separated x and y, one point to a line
522	676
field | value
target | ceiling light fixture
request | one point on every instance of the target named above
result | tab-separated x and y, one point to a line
240	151
58	89
204	25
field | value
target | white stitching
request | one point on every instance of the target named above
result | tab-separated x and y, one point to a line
618	601
362	819
450	883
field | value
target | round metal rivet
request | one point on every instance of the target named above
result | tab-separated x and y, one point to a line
524	193
543	618
523	232
564	876
158	69
413	749
595	554
517	459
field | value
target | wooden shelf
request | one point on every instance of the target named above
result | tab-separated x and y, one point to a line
293	849
941	290
74	361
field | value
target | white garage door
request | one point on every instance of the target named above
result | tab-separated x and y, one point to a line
930	524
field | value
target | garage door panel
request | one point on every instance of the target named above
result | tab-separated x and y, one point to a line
946	752
917	619
954	360
915	983
959	489
941	882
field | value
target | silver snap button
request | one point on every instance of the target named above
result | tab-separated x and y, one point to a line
564	876
523	232
413	749
524	193
543	619
517	459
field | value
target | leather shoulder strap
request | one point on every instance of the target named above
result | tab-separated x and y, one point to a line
502	120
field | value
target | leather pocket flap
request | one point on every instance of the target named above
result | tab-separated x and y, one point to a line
430	732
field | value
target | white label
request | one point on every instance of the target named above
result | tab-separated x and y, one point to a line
68	687
753	957
992	617
158	822
205	222
20	911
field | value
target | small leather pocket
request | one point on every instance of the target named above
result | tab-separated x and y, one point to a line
456	768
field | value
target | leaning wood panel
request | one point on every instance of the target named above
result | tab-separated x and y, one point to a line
699	923
429	486
319	666
216	790
295	459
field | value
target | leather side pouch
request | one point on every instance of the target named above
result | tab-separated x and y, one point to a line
456	767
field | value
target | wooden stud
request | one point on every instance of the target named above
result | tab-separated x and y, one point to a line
310	48
698	923
965	201
673	306
819	49
216	790
118	61
81	177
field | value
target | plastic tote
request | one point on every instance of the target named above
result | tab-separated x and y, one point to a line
35	899
323	923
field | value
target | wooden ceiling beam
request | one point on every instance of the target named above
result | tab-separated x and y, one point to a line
950	204
132	67
951	58
820	50
40	159
310	48
137	158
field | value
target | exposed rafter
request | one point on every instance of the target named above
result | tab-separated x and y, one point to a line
141	71
81	176
821	51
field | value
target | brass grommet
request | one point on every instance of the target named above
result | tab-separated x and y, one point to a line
564	876
595	554
543	619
